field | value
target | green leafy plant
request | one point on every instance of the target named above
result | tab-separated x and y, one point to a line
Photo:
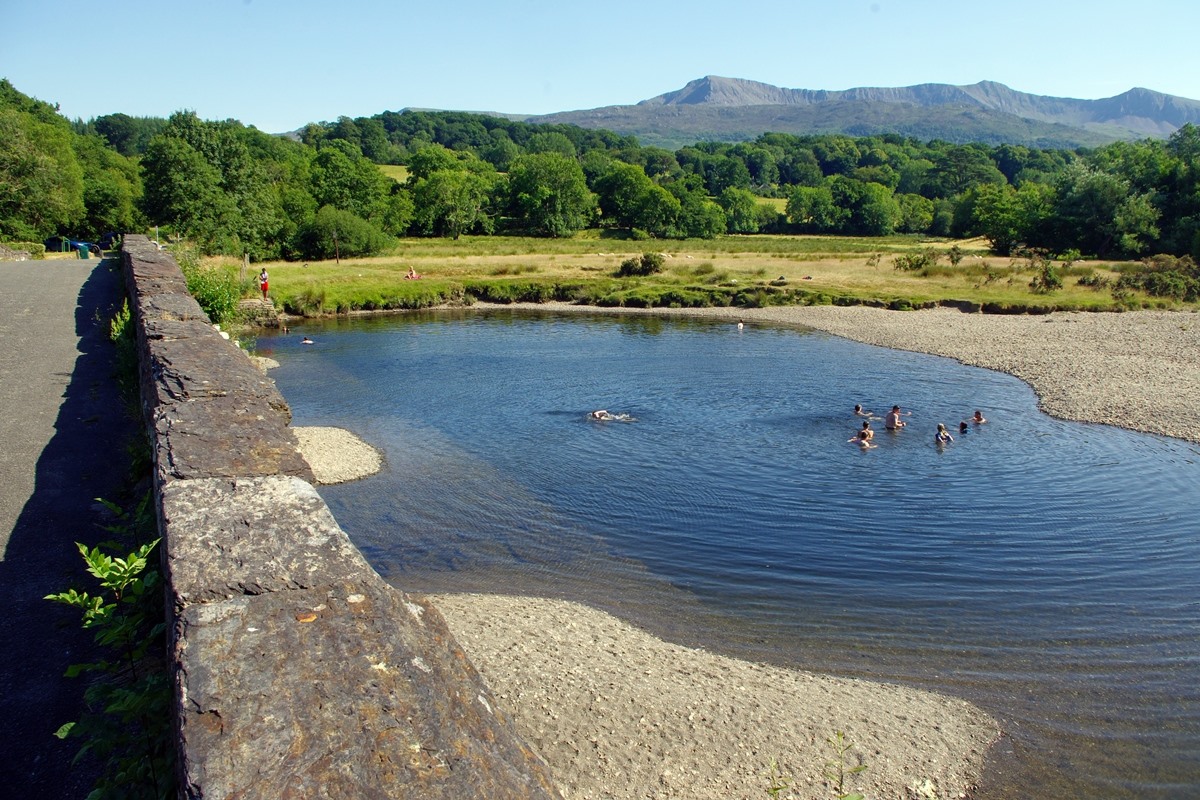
777	782
836	769
216	288
126	723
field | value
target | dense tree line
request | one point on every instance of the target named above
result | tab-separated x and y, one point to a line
234	189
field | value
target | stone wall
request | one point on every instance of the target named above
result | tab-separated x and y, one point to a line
299	673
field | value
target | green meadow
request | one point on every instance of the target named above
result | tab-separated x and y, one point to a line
900	272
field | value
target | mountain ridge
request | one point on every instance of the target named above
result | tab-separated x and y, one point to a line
735	109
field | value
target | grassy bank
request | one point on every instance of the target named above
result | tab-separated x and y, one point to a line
729	271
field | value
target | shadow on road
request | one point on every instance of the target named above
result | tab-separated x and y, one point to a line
86	458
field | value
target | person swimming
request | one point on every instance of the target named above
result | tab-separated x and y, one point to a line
962	427
863	439
942	436
978	418
604	415
859	411
892	421
306	340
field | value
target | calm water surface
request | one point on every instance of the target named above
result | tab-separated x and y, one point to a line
1048	571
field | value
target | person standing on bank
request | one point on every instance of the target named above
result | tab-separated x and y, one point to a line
262	281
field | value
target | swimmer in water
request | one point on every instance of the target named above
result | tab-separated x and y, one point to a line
306	340
942	436
864	439
864	435
859	411
962	427
607	416
978	418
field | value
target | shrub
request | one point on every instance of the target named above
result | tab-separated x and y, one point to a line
1046	280
648	264
1094	281
216	288
36	250
911	262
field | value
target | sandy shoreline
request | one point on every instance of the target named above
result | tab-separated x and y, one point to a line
618	713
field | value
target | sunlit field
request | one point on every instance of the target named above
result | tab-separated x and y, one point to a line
730	270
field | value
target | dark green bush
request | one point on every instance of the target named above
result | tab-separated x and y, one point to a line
333	233
648	264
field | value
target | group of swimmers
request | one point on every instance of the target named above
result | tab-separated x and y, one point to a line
892	421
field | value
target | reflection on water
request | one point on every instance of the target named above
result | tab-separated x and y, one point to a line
1045	570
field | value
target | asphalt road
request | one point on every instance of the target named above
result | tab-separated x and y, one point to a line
63	434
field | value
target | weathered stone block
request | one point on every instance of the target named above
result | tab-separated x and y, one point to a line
229	537
350	692
224	437
191	361
173	306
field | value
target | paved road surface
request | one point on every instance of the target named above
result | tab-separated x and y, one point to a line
63	432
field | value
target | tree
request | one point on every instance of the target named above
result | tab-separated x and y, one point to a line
658	212
112	188
41	181
501	151
333	232
916	213
128	135
184	190
812	210
877	212
699	217
1097	213
551	142
430	159
621	192
958	168
203	178
741	210
1009	217
721	172
452	202
549	194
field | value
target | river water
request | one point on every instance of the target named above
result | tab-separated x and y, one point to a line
1048	571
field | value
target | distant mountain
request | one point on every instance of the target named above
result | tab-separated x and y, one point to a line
730	109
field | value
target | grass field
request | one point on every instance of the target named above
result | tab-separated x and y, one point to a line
394	171
731	270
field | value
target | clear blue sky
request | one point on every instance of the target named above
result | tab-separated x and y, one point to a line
277	64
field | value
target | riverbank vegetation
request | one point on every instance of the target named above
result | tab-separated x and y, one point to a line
896	272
